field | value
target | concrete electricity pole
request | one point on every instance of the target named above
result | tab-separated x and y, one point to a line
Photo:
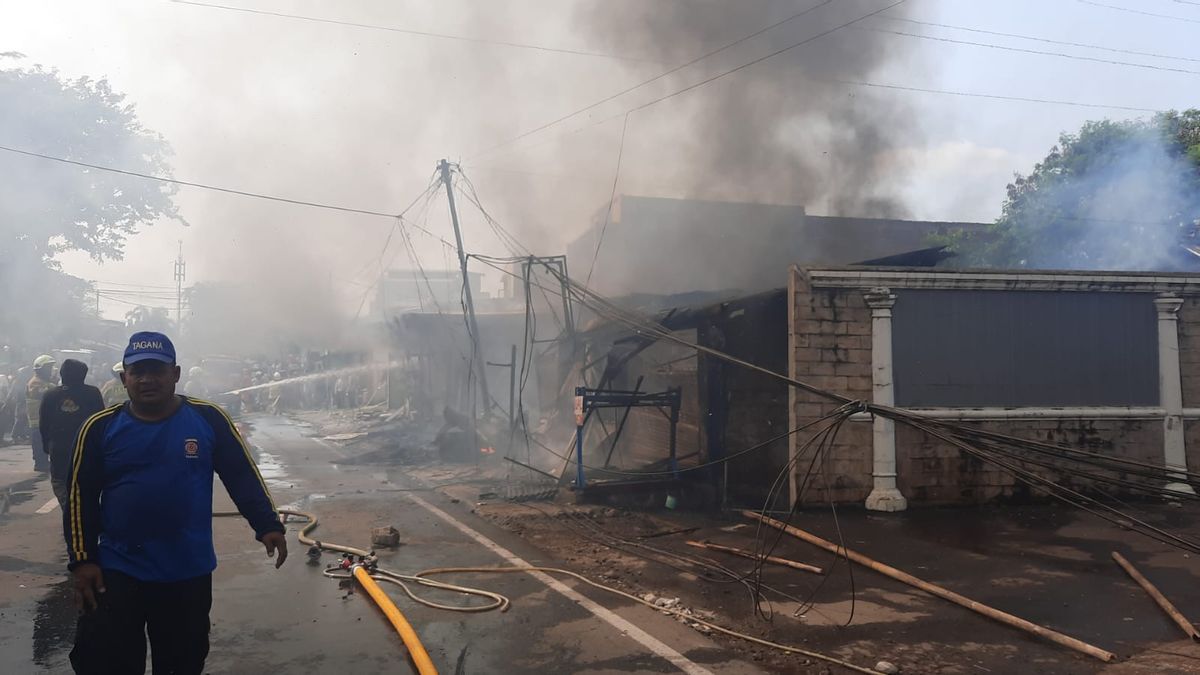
477	358
180	269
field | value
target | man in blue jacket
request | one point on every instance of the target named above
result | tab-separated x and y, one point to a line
139	519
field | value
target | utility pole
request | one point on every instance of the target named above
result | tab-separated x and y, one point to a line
476	357
180	270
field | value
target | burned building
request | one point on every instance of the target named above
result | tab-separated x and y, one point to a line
669	246
1103	362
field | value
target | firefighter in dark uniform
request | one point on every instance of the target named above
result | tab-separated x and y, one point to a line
63	411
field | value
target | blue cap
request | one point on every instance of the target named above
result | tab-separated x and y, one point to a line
146	345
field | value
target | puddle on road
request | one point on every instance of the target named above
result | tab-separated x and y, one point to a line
17	493
54	620
272	469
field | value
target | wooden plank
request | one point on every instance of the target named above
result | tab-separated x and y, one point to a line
938	591
1161	600
753	556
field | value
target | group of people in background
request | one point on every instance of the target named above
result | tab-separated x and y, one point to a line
46	404
271	386
21	385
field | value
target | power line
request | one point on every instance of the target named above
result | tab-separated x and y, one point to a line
999	97
1024	50
611	197
203	186
134	294
1138	11
420	33
128	285
656	78
760	59
720	75
1034	38
898	87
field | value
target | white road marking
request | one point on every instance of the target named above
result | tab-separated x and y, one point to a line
604	614
48	506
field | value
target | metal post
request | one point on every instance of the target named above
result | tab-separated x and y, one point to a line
512	389
180	269
579	420
477	357
674	429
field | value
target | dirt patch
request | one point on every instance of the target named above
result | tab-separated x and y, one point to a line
1065	584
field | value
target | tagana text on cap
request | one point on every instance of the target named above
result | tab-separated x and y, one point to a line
149	345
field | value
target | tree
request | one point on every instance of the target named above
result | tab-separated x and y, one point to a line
148	318
1115	195
47	207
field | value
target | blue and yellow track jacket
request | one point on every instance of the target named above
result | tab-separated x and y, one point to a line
141	492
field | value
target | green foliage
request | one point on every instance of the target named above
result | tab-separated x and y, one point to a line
49	207
148	318
1115	195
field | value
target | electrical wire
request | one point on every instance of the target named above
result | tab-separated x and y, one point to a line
945	431
667	610
611	197
1040	483
709	570
501	602
203	186
760	59
1138	11
1025	50
419	33
1035	38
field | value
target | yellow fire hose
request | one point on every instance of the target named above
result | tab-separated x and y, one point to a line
412	641
415	649
420	656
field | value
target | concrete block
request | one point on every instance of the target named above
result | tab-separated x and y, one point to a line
820	368
861	384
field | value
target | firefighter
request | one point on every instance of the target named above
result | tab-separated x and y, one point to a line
39	384
114	390
63	412
275	393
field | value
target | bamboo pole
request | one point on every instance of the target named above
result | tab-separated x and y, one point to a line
1157	596
932	589
753	556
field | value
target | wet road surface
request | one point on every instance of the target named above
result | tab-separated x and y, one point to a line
296	620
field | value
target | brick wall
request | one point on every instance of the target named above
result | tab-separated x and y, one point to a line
830	344
831	348
933	472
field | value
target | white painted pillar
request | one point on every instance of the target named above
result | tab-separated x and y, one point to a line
885	496
1170	387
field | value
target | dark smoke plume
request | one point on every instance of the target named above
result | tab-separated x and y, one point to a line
785	130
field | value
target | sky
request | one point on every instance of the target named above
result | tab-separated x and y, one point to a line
359	117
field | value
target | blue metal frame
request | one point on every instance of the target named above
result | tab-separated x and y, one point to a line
594	399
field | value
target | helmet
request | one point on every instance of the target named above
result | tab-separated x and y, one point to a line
195	371
276	376
118	368
43	361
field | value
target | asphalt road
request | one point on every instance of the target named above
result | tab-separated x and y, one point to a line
294	620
